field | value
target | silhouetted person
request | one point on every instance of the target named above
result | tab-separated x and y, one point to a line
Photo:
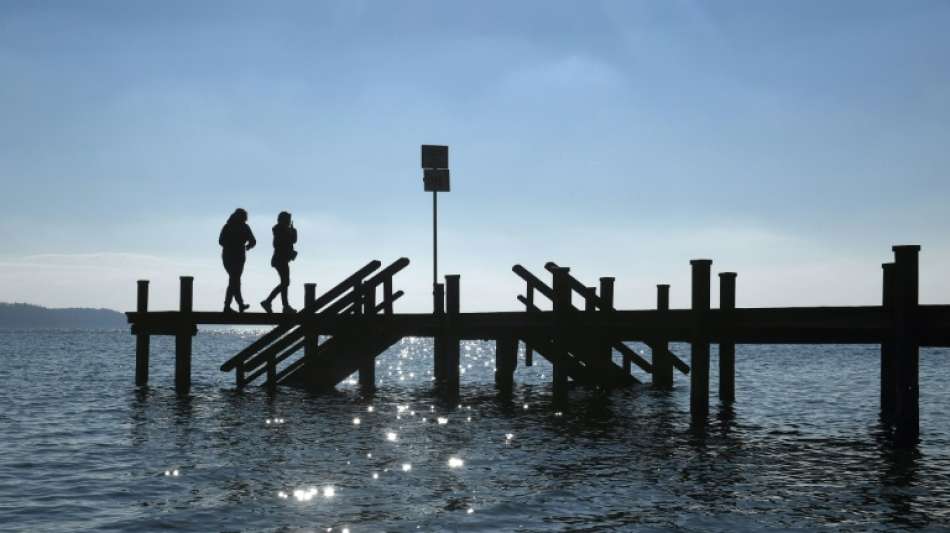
284	238
235	239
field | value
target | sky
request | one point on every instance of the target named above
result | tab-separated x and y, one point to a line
791	142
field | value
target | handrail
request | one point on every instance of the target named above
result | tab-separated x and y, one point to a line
323	300
260	359
295	332
580	288
533	280
576	285
624	350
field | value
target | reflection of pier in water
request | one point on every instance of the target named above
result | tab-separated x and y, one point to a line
358	316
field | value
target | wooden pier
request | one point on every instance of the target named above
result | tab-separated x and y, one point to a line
579	340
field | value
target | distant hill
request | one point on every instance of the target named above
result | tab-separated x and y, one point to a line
27	316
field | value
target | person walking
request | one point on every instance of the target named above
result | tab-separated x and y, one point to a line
235	239
284	238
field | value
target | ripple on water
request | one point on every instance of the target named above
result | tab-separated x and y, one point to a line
800	450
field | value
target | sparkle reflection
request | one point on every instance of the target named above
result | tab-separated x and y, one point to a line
455	462
406	467
391	436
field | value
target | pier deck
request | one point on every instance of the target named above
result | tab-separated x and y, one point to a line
580	341
788	325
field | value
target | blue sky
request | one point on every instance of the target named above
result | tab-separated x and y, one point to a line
792	142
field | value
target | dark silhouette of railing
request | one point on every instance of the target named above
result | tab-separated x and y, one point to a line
264	354
576	353
599	302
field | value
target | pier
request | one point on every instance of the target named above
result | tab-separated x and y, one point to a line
573	325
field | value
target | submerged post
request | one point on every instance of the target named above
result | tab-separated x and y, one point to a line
727	347
452	308
607	298
699	349
528	350
186	329
368	368
906	346
506	361
662	362
562	311
142	340
888	362
438	341
311	337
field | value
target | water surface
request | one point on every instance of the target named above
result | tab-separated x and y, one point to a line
83	449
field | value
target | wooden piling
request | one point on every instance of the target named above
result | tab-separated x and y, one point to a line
906	346
699	373
367	370
183	335
142	340
662	362
528	350
311	336
438	341
451	337
561	287
506	361
607	298
888	362
727	348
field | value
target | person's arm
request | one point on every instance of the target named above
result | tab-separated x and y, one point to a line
251	241
293	235
221	235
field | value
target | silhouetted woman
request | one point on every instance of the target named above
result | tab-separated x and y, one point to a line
284	238
235	239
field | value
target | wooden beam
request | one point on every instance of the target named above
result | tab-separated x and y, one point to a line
367	370
451	346
142	340
699	344
888	361
906	348
662	360
183	337
727	348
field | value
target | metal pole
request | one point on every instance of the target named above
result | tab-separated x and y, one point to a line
435	238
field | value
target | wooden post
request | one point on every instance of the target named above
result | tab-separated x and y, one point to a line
368	369
142	340
528	350
888	362
388	295
562	311
662	362
452	352
438	341
906	346
727	348
607	297
699	351
506	361
183	336
311	337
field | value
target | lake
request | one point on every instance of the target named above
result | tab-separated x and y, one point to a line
802	449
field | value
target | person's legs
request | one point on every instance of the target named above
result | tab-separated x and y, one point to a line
229	292
279	289
235	284
284	271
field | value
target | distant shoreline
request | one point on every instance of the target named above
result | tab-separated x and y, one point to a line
29	316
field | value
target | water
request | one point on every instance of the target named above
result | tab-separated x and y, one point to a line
82	449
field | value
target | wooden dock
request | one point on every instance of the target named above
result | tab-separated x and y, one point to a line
579	340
